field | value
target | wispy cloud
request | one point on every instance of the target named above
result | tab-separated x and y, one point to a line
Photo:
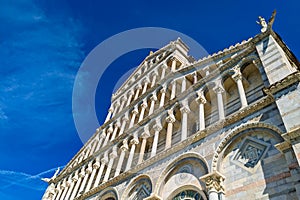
34	182
39	57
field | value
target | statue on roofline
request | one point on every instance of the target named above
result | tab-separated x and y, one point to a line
264	25
47	180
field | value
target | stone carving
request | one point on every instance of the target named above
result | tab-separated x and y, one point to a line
47	180
264	25
214	182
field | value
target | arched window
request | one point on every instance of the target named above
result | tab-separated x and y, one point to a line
188	195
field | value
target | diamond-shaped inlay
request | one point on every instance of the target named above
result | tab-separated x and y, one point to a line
250	152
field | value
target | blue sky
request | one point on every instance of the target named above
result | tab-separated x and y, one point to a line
43	43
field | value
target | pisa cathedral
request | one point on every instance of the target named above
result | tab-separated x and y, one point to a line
226	126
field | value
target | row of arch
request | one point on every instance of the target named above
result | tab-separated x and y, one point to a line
252	84
177	176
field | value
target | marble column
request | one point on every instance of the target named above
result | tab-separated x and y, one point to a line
237	77
66	185
116	107
109	130
61	188
88	171
73	181
219	90
87	152
153	99
163	72
173	91
183	84
101	139
173	67
135	111
130	95
96	166
78	183
201	101
214	185
143	108
123	101
162	98
138	88
170	120
112	157
117	125
133	143
184	120
195	78
146	82
157	128
110	112
124	121
145	135
104	161
154	77
94	145
124	149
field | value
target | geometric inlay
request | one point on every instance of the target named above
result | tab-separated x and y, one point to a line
251	152
188	195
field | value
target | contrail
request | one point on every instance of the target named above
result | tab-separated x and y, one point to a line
24	180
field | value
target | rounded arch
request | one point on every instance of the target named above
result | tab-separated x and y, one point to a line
227	139
172	165
188	187
133	183
108	193
247	60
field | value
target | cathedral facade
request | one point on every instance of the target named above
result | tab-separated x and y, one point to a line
226	126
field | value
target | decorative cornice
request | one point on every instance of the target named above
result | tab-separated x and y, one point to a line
284	83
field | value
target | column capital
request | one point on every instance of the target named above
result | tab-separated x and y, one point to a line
117	104
146	80
130	92
201	100
163	89
237	76
124	147
104	160
117	124
214	182
75	178
154	73
113	154
219	89
135	111
146	133
125	117
144	104
89	169
185	109
153	97
123	98
157	127
81	174
102	135
138	87
170	119
110	129
134	140
96	165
